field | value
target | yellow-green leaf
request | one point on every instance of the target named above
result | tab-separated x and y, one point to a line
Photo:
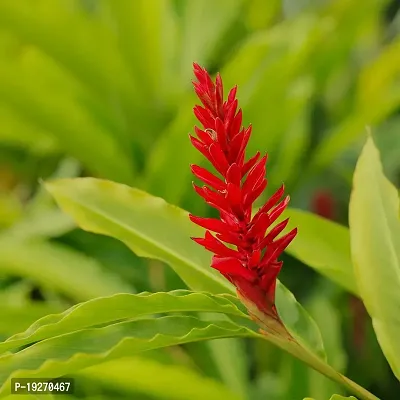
140	374
152	228
74	351
150	25
323	245
336	397
83	45
375	247
62	268
147	225
123	306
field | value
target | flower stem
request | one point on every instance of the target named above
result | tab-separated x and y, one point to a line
298	351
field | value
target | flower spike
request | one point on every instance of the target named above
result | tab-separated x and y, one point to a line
246	248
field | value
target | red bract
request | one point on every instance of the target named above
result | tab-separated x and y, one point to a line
323	204
246	248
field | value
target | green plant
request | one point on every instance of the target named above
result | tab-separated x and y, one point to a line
102	88
129	215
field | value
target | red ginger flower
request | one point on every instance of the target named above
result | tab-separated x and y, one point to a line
252	266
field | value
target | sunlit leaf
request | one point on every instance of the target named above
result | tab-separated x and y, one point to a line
152	228
148	225
377	98
146	376
71	352
59	267
329	321
15	318
72	126
131	215
84	46
336	397
375	246
120	307
17	131
299	323
202	30
323	245
163	162
150	25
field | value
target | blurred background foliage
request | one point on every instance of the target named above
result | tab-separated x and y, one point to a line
103	88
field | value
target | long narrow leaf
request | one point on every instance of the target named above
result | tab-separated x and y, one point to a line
323	245
147	225
120	307
72	126
140	374
64	269
150	25
83	45
74	351
152	228
375	246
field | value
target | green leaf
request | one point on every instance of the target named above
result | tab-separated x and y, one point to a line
260	14
152	228
387	139
38	397
323	309
323	245
298	322
15	318
163	162
375	246
385	91
41	224
147	225
231	359
255	69
71	352
55	265
327	316
58	113
150	25
336	397
202	30
339	397
293	144
293	374
301	352
120	307
11	209
292	8
15	130
82	45
147	376
376	99
42	218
